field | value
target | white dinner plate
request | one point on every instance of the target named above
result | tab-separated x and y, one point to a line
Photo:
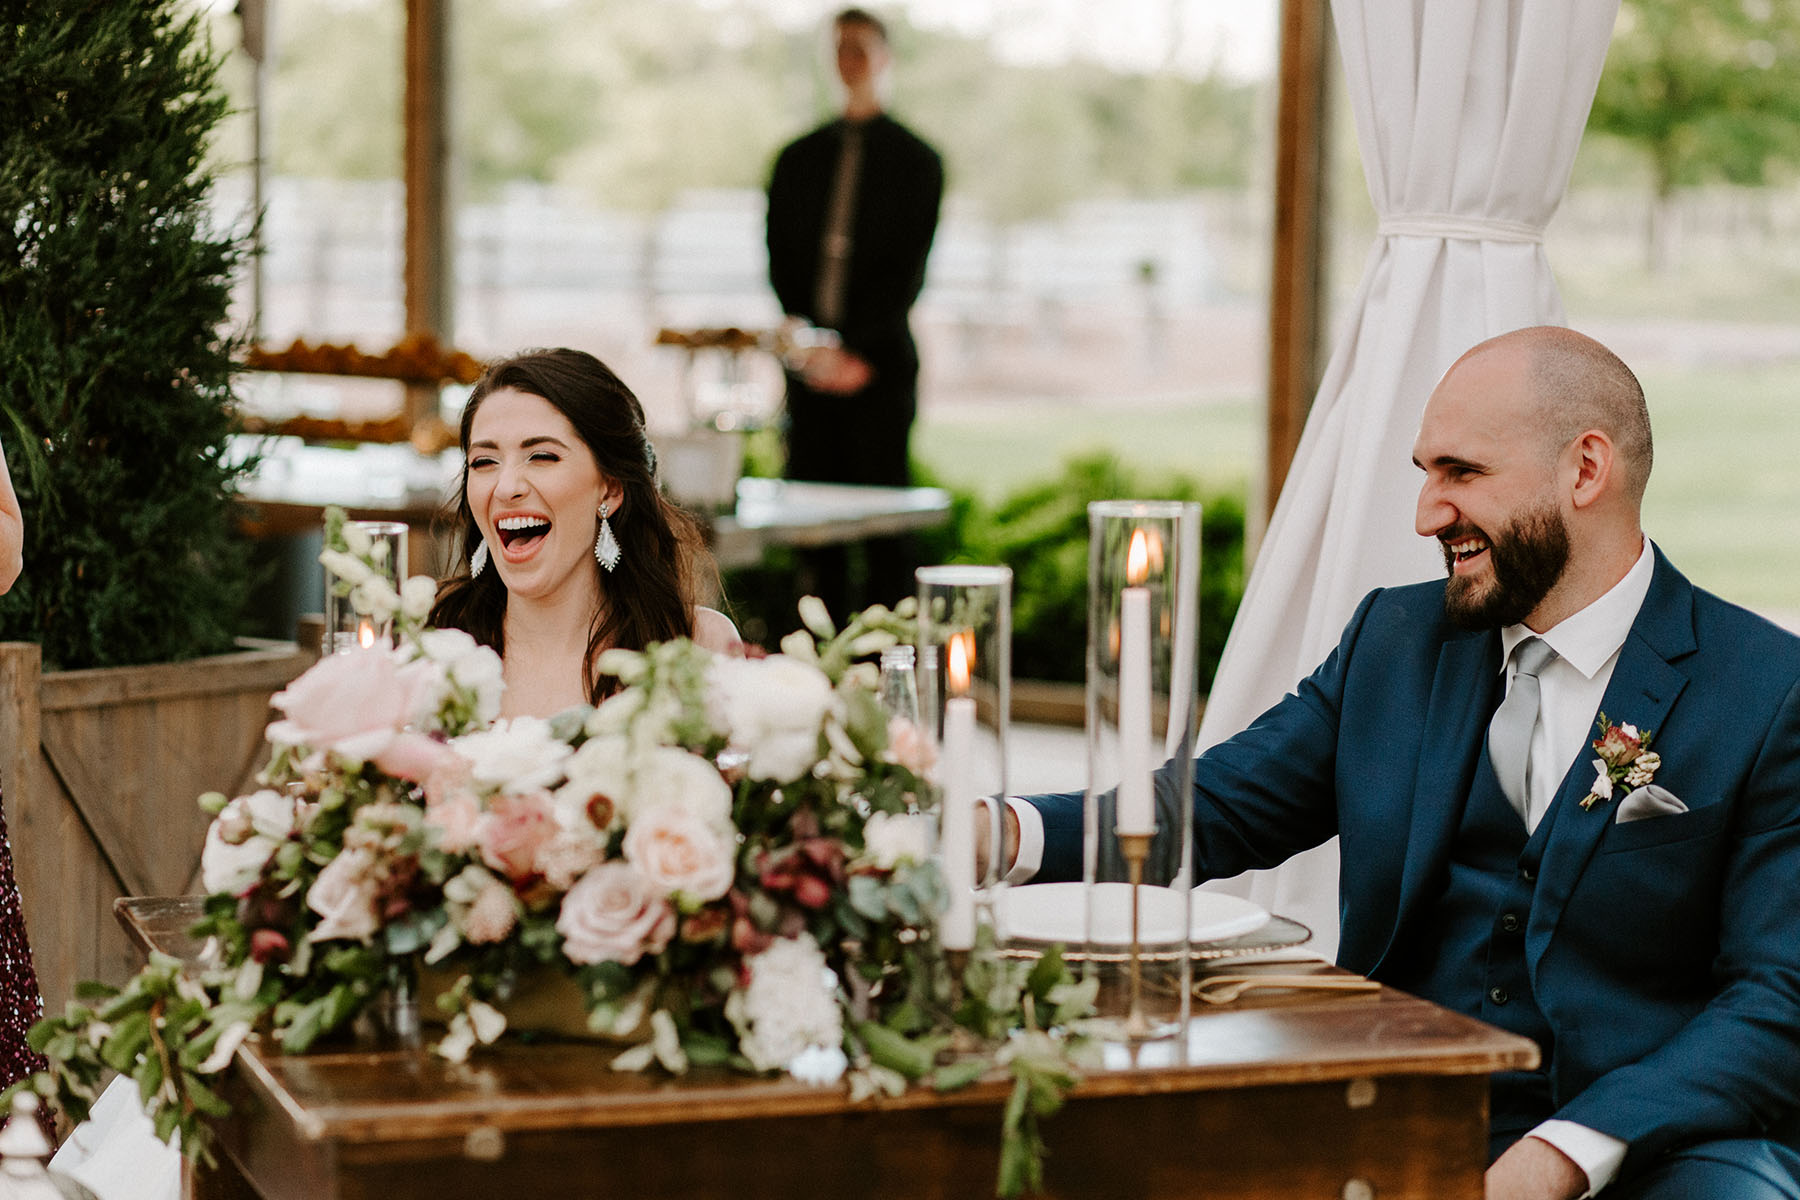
1056	912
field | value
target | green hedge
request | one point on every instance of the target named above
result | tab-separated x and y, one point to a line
1041	532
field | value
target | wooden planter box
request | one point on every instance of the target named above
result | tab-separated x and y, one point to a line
101	770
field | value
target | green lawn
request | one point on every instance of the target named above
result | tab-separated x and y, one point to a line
1724	501
1218	442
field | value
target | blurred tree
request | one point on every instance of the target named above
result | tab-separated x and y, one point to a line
1709	90
631	103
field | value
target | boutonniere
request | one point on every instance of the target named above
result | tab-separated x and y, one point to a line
1625	757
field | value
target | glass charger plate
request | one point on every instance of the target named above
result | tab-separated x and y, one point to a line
1279	933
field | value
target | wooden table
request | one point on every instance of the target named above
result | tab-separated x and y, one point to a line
1329	1096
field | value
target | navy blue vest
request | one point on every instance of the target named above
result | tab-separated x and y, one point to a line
1467	951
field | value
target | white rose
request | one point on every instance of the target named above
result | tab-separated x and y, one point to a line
242	838
893	838
774	709
520	755
679	851
789	1007
666	775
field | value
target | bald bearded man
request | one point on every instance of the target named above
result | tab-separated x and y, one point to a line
1643	930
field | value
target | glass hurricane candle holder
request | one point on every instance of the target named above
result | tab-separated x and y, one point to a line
345	628
1142	701
965	683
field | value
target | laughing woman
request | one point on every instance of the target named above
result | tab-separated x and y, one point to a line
569	547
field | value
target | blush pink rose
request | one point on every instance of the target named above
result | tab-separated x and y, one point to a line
351	704
344	895
614	914
417	757
512	831
679	851
910	747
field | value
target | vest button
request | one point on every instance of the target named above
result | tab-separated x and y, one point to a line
1510	923
1527	874
1498	995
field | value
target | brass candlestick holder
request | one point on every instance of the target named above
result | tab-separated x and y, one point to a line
1135	849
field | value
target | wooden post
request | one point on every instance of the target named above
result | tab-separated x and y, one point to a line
21	675
1296	280
429	306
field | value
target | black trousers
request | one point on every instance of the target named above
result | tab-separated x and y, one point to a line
862	439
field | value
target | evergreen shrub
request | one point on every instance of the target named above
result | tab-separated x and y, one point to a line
115	359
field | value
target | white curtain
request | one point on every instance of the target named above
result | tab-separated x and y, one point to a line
1468	114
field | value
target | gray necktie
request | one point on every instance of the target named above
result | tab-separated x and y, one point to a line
1509	733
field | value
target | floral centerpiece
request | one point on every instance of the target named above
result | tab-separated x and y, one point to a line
727	862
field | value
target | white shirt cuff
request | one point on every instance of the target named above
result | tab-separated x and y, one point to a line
1597	1154
1031	841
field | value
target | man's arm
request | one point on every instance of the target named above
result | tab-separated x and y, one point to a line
790	257
1258	798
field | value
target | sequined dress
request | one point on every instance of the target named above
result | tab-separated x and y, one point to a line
20	1003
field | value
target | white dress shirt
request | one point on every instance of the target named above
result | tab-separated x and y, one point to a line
1571	686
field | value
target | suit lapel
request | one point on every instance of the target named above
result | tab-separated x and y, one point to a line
1644	687
1463	694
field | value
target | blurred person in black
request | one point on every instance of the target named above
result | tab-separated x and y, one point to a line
853	206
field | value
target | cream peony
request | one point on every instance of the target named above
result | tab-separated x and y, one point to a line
774	709
789	1006
520	755
668	775
679	851
614	914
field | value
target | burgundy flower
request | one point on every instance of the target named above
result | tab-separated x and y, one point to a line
270	946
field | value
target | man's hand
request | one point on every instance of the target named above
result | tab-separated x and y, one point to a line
836	371
1009	839
1533	1169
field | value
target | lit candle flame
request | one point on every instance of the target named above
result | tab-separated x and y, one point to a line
960	661
1137	559
365	633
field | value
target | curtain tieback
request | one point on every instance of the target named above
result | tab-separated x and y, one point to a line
1469	229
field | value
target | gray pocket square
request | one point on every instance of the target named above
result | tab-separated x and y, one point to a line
1648	801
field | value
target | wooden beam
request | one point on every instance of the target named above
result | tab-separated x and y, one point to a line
428	246
1297	276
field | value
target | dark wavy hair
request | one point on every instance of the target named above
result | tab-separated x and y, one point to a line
651	596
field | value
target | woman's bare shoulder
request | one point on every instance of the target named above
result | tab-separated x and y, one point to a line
714	630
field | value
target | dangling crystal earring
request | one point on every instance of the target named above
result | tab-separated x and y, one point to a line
606	546
478	560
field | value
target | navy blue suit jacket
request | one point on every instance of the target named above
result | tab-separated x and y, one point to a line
1664	953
